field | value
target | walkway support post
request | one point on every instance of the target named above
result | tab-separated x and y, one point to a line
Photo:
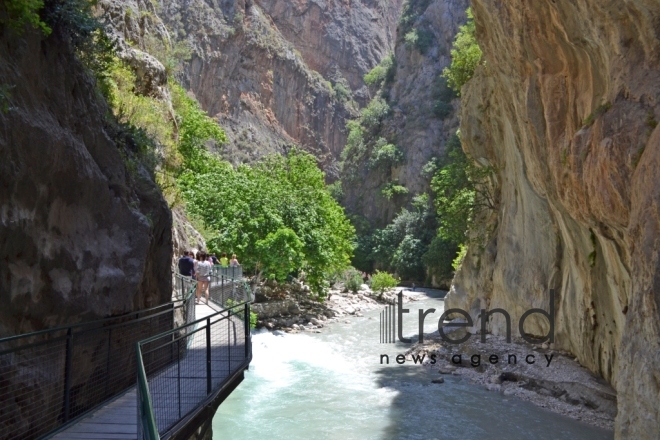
208	356
67	375
247	328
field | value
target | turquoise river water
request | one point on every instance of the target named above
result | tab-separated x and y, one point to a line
332	386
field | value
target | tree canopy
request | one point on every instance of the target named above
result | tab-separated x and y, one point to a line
277	214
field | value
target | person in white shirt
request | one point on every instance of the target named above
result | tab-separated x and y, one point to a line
203	272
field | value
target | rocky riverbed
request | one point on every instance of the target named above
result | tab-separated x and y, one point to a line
549	378
294	310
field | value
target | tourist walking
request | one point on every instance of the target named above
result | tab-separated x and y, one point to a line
203	272
224	261
234	262
186	265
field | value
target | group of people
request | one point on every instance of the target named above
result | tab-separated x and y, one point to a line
199	266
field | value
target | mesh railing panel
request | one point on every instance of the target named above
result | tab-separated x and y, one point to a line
203	359
233	272
51	377
227	292
182	287
31	389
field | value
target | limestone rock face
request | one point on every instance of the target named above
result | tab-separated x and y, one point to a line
184	236
565	109
256	83
337	37
136	28
81	237
412	124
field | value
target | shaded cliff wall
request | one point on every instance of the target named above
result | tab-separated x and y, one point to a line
138	30
411	123
565	108
81	236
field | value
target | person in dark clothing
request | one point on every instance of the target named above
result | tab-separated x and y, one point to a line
186	265
215	259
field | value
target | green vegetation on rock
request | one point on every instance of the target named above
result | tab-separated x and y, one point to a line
20	13
383	72
465	55
461	193
385	155
420	39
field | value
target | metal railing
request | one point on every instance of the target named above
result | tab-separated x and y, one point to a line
235	272
183	287
226	292
184	290
178	371
51	377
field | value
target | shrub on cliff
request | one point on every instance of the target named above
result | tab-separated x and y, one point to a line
373	114
442	96
461	193
465	55
383	72
420	39
385	155
20	13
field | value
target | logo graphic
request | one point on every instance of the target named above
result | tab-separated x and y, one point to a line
388	325
391	319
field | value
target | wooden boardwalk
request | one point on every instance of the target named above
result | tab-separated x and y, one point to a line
118	418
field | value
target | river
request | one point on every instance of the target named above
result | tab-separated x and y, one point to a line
332	386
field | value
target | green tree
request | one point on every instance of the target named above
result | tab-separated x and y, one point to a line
382	281
279	202
465	55
281	252
461	192
439	258
20	13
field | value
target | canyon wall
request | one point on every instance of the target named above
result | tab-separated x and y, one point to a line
411	123
565	107
338	39
253	68
84	230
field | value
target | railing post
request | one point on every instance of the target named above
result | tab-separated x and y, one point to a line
222	290
178	383
208	356
229	341
107	362
67	375
247	328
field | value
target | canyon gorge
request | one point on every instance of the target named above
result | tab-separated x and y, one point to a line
563	107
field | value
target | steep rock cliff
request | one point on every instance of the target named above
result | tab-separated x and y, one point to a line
81	236
138	30
411	123
338	38
244	73
565	109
